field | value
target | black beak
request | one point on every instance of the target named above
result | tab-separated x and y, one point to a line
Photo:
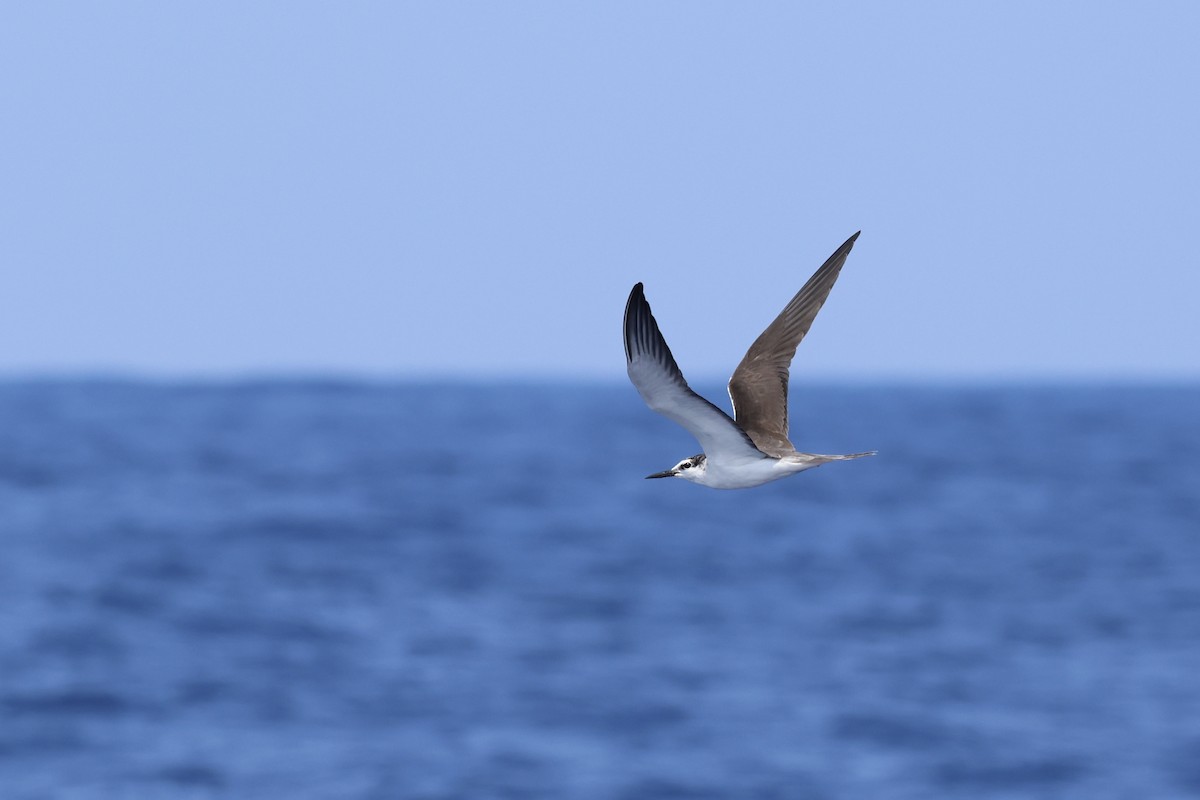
668	474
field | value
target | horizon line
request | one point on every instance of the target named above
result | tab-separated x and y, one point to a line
526	377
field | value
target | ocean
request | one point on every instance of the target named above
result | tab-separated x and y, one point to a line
326	589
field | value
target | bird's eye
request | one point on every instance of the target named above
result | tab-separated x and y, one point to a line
686	465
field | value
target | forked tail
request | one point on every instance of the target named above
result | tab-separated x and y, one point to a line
820	458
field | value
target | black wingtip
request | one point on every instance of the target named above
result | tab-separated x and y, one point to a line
636	296
845	249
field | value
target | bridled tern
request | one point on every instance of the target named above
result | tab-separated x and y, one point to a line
752	448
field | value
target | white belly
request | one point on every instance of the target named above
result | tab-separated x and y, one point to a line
744	474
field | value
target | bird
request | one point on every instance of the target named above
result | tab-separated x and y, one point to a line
752	447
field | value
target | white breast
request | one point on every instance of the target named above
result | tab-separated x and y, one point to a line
745	474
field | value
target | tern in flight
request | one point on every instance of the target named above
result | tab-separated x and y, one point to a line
752	448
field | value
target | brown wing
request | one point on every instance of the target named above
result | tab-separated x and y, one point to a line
759	386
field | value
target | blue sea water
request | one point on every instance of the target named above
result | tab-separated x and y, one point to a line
461	592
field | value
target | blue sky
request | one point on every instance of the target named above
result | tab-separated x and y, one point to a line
414	189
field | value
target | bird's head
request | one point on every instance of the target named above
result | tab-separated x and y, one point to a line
690	469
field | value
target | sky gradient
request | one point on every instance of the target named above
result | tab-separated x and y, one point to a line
471	189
